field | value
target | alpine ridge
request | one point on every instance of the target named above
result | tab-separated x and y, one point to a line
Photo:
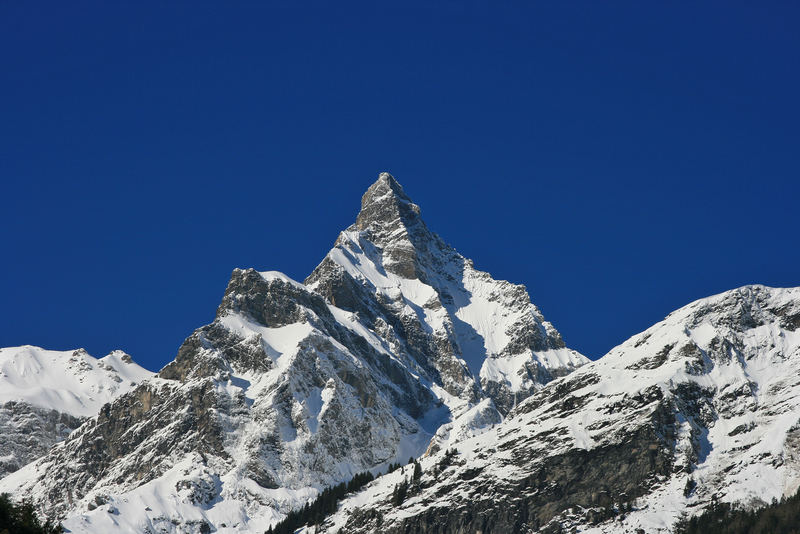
46	394
702	407
393	346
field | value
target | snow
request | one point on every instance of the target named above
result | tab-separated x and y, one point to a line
350	321
703	334
71	382
277	275
276	341
152	506
473	422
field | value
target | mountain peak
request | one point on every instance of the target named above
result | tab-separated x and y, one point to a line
430	301
385	184
385	204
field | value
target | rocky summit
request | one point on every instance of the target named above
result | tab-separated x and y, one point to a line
475	336
394	346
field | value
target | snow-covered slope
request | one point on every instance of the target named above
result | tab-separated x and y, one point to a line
294	387
704	405
45	394
71	382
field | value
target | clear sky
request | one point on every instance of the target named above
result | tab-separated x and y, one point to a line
619	159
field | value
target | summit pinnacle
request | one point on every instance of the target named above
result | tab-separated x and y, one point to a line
386	209
428	302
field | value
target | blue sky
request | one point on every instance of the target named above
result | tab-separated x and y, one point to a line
619	159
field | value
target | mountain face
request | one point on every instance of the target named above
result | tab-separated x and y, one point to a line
394	345
45	395
702	406
476	336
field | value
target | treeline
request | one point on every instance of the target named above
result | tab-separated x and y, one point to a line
22	519
315	512
781	517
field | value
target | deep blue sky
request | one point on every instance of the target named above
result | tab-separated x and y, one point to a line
619	159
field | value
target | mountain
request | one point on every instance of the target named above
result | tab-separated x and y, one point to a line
46	394
701	408
394	345
479	336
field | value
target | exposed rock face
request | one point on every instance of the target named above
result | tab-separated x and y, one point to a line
45	395
296	387
475	335
704	405
27	432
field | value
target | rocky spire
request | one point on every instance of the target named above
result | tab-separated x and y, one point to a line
390	220
385	207
429	303
385	201
383	186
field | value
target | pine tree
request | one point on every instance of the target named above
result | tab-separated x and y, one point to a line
399	495
782	517
22	519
